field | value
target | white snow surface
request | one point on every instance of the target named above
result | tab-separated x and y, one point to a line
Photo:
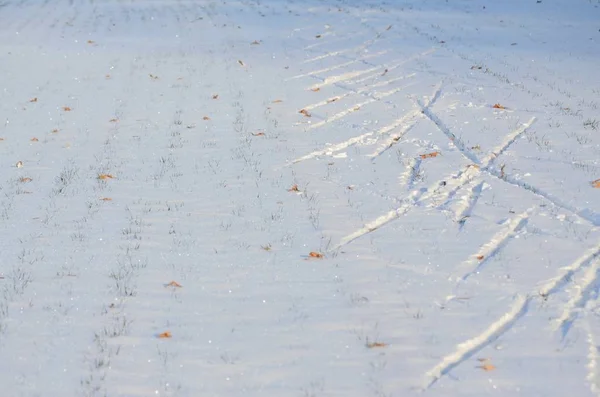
216	143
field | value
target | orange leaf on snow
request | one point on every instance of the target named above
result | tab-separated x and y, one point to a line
66	108
25	179
498	106
205	118
106	199
174	284
316	89
258	133
480	257
166	334
430	155
487	367
34	139
486	364
313	254
105	176
294	188
305	113
596	184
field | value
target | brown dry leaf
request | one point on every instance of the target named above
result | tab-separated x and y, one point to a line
91	42
153	77
241	63
106	199
371	345
318	36
107	76
313	254
174	284
498	106
215	96
305	113
205	118
1	139
166	334
113	120
255	42
66	108
277	101
55	131
429	155
33	100
316	89
294	188
258	134
487	367
34	139
596	184
480	257
105	176
25	179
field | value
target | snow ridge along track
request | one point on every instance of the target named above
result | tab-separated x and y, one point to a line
310	198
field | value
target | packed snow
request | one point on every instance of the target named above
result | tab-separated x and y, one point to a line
299	198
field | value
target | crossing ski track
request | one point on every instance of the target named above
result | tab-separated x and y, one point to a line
299	198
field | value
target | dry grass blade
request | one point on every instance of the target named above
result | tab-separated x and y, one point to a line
105	176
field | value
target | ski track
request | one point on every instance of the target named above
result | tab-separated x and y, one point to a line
471	346
585	291
467	204
163	127
491	248
593	375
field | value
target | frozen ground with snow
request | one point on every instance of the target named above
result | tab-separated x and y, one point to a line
168	167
